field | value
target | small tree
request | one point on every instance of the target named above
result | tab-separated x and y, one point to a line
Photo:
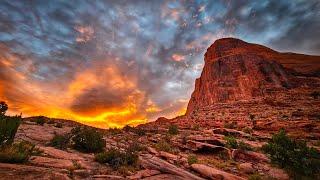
87	139
3	108
8	125
293	155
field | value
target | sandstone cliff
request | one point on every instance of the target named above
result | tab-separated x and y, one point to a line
236	70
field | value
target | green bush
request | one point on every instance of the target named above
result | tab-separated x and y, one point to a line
87	139
231	142
8	128
173	129
294	156
40	120
60	141
163	146
136	147
16	153
192	159
116	158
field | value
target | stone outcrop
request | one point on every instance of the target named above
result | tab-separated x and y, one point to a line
236	70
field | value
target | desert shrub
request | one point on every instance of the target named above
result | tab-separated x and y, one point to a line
60	141
294	156
255	176
8	128
247	130
87	139
192	159
136	147
231	142
58	125
116	158
243	146
16	153
173	129
231	125
40	120
163	146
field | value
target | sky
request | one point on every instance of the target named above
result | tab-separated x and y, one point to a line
111	63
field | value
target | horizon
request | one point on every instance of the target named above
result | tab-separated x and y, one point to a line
109	64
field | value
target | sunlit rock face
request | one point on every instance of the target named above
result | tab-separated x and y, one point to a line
236	70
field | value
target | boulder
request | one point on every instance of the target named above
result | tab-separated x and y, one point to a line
246	168
151	162
251	156
60	154
204	147
168	156
213	173
51	162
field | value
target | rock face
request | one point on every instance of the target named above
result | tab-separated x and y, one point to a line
236	70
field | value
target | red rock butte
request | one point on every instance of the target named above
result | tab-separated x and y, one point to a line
241	81
237	70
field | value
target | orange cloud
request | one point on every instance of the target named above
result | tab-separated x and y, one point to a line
178	57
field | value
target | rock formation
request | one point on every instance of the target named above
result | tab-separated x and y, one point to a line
236	70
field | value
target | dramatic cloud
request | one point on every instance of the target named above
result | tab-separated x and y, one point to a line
117	62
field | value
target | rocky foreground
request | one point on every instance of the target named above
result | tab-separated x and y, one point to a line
164	156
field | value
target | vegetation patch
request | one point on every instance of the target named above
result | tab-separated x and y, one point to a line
163	146
192	159
40	120
86	139
295	156
8	128
60	141
17	153
115	158
234	144
173	129
231	142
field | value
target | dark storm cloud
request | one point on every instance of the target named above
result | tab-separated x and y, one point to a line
156	46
